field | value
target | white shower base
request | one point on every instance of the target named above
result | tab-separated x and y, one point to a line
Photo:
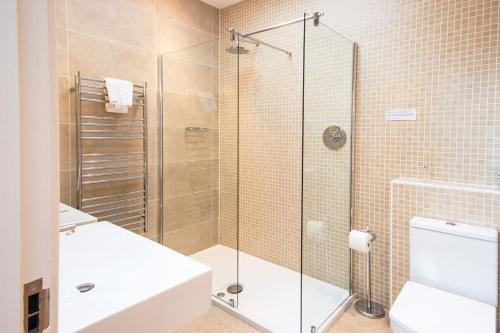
271	296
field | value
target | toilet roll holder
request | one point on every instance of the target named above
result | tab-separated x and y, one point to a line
367	307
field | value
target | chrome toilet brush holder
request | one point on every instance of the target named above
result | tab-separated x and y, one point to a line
367	307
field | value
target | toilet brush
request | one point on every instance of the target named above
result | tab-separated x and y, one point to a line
366	307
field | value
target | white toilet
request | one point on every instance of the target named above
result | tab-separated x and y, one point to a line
453	280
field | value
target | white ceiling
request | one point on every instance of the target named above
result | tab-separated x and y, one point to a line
221	3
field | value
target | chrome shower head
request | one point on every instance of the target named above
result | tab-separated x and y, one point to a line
237	50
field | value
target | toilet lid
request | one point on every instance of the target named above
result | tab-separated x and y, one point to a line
423	309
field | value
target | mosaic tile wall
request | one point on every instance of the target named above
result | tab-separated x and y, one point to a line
122	38
439	57
269	136
459	203
270	141
327	173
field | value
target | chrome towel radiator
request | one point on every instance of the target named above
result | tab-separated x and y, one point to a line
112	156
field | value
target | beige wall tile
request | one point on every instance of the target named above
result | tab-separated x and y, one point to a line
72	189
215	203
176	179
174	149
152	106
64	184
153	182
215	231
62	51
144	4
186	210
200	173
186	77
190	100
187	177
72	146
64	147
175	36
191	239
61	15
99	34
215	22
153	140
112	20
96	57
72	99
190	12
180	145
153	220
63	100
183	111
122	39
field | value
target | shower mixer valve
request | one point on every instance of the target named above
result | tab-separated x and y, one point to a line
334	137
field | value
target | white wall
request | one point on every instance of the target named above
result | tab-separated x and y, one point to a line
29	191
10	174
39	146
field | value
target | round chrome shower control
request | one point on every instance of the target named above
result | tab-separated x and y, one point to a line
334	137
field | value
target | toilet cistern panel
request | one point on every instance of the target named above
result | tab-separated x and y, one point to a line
458	258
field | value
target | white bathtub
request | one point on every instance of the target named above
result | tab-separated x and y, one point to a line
140	286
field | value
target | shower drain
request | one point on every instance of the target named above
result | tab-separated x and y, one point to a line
85	287
235	288
228	293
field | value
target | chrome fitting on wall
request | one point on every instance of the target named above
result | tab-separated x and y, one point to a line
316	16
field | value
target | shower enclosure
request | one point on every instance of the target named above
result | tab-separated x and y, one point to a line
257	160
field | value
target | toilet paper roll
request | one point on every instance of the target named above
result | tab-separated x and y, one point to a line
360	241
316	230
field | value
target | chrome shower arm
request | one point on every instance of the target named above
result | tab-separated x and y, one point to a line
258	41
233	33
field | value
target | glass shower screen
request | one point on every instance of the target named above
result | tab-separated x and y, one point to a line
256	151
326	172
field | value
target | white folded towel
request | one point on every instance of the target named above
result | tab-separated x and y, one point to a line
120	95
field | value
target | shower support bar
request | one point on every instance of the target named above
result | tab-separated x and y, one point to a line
314	16
248	35
257	42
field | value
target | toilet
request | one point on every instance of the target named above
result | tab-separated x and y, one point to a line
453	280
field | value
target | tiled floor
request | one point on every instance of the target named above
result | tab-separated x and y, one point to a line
353	322
218	321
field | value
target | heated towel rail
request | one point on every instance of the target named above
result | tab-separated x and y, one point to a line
112	156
